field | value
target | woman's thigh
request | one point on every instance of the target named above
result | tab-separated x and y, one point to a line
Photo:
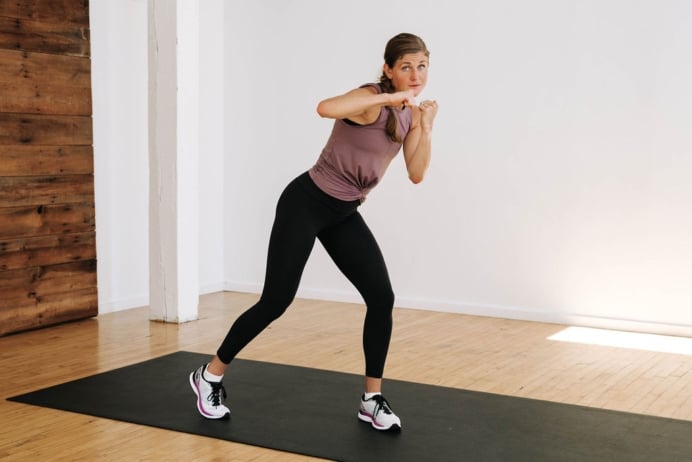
355	251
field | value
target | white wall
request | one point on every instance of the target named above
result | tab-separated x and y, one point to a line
211	141
119	81
558	189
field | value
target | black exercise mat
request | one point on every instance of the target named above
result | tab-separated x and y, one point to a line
313	412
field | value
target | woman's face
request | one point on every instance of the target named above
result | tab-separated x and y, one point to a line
410	72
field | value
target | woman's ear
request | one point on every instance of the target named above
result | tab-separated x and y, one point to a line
387	71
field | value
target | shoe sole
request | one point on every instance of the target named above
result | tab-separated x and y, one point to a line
199	401
367	418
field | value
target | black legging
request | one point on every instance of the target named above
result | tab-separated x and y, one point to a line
303	213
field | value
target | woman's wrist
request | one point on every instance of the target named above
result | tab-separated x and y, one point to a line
387	99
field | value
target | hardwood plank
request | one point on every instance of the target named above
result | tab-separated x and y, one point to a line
40	190
28	160
35	68
44	37
45	130
60	11
49	310
28	221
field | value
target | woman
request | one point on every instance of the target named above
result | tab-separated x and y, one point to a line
372	123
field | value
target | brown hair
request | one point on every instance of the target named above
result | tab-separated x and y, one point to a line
398	46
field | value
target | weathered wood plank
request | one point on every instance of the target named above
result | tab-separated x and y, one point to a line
49	310
72	11
39	83
22	96
73	71
40	220
43	190
44	277
45	130
26	286
28	160
50	242
46	256
46	250
58	38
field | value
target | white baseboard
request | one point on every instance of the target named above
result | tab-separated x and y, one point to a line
250	288
111	306
122	304
211	287
566	319
560	318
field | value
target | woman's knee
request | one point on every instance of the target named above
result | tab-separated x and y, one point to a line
274	307
380	301
388	298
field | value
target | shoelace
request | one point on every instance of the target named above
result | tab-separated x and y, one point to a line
382	405
216	389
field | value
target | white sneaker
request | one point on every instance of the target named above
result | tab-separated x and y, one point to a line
209	395
377	411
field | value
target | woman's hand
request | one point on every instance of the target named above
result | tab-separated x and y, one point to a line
428	111
417	144
403	98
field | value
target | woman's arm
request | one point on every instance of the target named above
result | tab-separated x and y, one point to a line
417	144
361	105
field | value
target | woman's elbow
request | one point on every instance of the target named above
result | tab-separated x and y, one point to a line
323	109
416	177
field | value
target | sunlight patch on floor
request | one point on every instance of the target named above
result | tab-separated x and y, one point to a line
621	339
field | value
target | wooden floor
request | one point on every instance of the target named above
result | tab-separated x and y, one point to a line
493	355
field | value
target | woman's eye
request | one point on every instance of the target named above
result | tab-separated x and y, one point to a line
406	68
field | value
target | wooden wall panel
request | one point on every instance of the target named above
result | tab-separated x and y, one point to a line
45	130
46	250
28	286
40	190
44	68
29	84
48	11
37	99
28	160
27	35
47	216
48	310
46	219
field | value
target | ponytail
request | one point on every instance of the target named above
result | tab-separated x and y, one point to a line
392	124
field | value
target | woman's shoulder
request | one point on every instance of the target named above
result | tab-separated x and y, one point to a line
372	86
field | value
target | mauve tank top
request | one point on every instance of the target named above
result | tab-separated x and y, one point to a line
356	156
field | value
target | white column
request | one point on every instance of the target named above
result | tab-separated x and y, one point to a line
173	160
